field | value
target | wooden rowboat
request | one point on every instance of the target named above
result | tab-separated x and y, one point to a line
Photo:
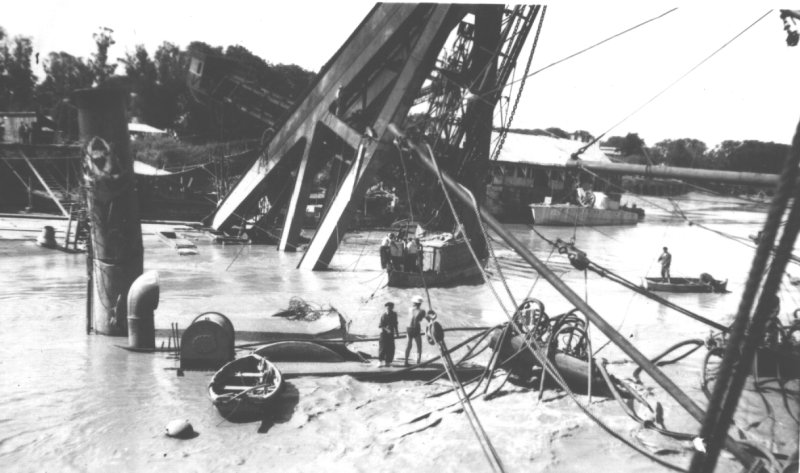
244	388
684	285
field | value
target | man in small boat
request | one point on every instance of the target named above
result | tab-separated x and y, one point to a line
666	260
396	249
413	254
584	195
385	245
414	329
389	330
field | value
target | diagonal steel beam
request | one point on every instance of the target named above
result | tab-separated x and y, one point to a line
413	73
365	45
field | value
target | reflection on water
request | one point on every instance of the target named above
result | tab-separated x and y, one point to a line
77	402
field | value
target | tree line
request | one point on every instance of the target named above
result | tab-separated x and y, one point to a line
729	155
159	94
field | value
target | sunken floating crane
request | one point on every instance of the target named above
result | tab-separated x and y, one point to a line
392	59
116	233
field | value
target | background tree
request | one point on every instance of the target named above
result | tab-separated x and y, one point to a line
557	132
64	73
141	73
683	152
17	80
719	156
630	144
583	135
173	93
99	63
758	156
4	96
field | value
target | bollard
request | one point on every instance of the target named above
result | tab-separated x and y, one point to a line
112	206
142	303
47	239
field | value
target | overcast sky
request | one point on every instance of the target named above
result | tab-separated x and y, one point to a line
747	91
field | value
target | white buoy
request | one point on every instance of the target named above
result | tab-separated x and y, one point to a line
179	428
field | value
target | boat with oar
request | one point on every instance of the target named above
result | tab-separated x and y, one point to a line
246	387
704	284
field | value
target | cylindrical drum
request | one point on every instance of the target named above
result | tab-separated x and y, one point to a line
208	343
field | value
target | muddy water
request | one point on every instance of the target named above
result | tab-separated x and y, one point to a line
73	402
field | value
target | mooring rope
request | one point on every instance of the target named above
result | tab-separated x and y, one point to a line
546	363
483	438
612	276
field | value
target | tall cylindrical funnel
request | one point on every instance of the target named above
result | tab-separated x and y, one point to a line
116	234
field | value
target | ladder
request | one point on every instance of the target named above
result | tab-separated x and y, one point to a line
79	236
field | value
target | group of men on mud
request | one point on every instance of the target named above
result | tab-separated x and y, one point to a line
401	253
389	330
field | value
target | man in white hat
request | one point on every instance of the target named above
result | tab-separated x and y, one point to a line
414	329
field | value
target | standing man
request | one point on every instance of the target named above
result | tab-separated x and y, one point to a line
414	329
396	249
666	260
388	326
413	252
385	244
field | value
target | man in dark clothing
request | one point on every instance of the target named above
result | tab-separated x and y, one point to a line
385	255
666	260
396	252
414	329
388	326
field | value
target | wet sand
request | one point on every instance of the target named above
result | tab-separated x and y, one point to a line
74	402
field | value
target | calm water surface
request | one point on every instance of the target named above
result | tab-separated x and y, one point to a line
73	402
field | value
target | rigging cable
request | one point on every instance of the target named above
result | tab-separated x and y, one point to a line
585	263
748	330
703	61
513	112
537	351
483	438
681	214
590	47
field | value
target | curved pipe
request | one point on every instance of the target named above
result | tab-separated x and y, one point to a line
143	295
142	302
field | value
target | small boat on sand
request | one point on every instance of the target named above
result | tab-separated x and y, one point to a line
244	388
684	285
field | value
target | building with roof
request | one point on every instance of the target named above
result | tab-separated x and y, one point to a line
532	169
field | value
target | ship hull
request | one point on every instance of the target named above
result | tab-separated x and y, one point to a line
569	215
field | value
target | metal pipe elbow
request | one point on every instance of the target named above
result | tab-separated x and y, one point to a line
143	294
